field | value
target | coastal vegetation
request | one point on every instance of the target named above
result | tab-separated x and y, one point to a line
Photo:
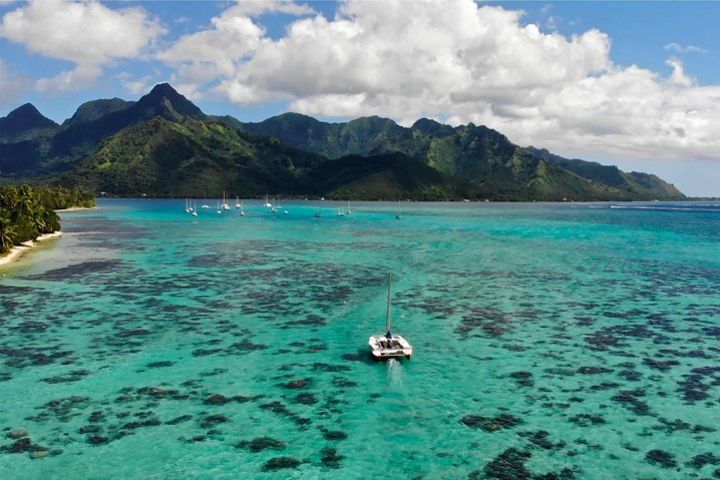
163	145
26	212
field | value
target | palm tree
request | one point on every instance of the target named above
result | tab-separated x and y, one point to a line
6	234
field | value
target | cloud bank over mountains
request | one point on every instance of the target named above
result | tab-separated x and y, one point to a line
454	61
90	35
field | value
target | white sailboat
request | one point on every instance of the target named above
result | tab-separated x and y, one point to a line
267	202
187	208
218	207
397	214
205	205
194	210
347	208
225	205
237	202
389	345
242	208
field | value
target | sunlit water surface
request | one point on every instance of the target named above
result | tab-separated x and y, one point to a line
552	342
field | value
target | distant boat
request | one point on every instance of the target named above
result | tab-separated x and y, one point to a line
194	210
274	206
397	215
225	205
205	205
389	345
242	209
218	207
317	214
347	208
267	202
237	202
187	206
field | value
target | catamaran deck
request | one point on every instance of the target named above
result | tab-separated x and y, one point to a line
394	347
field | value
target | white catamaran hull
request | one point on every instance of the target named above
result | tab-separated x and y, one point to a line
382	347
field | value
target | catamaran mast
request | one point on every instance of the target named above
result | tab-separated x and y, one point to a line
388	314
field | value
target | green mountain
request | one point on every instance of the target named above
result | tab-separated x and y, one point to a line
191	157
164	145
24	123
89	111
474	153
363	136
638	184
82	138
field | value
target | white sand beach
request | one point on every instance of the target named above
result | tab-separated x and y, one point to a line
19	250
73	209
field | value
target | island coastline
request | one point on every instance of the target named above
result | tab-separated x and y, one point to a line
18	251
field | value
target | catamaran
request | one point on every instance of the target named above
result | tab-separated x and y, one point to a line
389	345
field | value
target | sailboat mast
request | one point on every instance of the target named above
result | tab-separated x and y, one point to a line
388	314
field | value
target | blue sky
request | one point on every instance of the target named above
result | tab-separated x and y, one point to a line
674	44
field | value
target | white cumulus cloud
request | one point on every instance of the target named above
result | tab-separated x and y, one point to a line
463	62
215	52
88	34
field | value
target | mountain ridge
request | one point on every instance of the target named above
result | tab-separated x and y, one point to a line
148	145
473	152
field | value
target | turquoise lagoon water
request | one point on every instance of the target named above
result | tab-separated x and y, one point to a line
552	342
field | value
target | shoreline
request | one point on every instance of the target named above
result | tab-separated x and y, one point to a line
73	209
18	251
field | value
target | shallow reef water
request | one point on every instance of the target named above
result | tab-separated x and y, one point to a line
552	341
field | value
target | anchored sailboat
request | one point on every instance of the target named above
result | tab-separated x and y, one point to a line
389	345
194	209
397	214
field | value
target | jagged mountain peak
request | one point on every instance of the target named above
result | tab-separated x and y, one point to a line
25	122
26	117
168	102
